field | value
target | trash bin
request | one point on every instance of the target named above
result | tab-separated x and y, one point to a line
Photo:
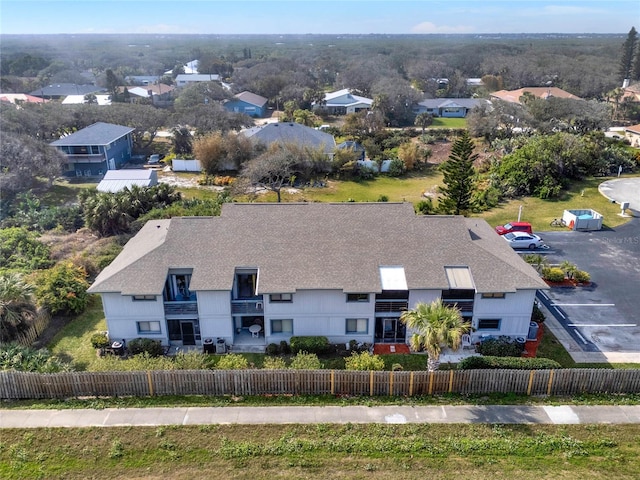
520	341
221	346
533	331
207	345
117	348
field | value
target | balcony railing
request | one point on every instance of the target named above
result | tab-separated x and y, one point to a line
247	307
391	305
84	158
180	308
465	306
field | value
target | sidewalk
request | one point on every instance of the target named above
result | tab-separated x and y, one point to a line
392	414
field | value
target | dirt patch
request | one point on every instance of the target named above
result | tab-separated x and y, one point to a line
68	245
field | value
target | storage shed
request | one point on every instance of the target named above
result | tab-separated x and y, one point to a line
586	219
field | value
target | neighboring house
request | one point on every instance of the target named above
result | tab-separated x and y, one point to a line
449	107
248	103
292	133
514	96
79	99
18	98
116	180
159	93
354	147
631	93
261	273
183	80
632	134
189	68
142	79
343	102
95	149
61	90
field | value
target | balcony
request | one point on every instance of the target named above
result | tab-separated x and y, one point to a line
84	158
181	308
250	307
390	306
465	306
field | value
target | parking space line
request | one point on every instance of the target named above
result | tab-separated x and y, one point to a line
602	324
581	337
564	317
584	304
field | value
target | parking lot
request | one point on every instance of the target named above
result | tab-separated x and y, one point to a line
601	318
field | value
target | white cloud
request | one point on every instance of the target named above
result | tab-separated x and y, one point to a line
429	27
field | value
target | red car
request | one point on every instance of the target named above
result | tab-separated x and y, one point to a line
514	227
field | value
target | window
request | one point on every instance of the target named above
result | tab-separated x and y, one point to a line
282	326
493	295
357	297
357	325
148	327
280	297
489	324
144	298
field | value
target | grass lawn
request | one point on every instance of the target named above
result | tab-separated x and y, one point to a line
72	343
540	212
441	122
324	451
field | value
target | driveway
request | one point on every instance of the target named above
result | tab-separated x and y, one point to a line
623	190
601	319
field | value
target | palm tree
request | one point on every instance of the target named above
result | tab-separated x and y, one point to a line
435	326
16	305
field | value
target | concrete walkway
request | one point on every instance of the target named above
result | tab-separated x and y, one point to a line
392	414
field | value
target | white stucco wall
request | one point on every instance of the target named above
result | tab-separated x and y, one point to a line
122	313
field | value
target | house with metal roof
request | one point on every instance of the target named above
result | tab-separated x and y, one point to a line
261	273
61	90
343	102
116	180
95	149
248	103
449	107
183	80
292	133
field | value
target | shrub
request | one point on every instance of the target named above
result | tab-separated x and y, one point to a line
515	363
62	289
425	207
27	359
285	349
383	198
499	347
141	362
191	361
274	363
99	340
553	274
151	347
364	361
537	315
232	361
21	250
581	276
305	361
396	168
272	349
317	345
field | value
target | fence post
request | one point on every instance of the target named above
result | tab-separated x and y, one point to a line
411	384
371	383
150	382
450	381
391	383
333	382
430	383
530	382
550	382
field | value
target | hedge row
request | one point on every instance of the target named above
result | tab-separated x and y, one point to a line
515	363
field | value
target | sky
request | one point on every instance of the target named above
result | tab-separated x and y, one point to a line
318	17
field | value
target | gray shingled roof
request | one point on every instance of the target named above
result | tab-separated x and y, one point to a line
64	89
97	134
252	98
284	132
316	246
468	103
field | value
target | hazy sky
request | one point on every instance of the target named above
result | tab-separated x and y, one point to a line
329	16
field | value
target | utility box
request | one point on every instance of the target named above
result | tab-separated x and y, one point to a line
221	346
585	219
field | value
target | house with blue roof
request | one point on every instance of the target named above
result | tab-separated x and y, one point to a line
95	149
248	103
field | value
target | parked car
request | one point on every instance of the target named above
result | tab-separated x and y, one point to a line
514	227
154	159
523	240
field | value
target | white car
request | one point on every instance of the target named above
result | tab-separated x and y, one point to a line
523	240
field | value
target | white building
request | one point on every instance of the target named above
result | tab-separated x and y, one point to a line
261	273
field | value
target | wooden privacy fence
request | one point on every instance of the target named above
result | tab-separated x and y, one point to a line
17	385
38	326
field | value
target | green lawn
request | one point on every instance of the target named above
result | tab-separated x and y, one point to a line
441	122
540	212
371	452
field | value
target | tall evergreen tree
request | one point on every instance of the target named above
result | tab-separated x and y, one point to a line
458	177
628	49
635	70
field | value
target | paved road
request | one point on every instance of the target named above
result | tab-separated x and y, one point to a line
392	414
623	190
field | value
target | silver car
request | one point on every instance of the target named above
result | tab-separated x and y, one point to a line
523	240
